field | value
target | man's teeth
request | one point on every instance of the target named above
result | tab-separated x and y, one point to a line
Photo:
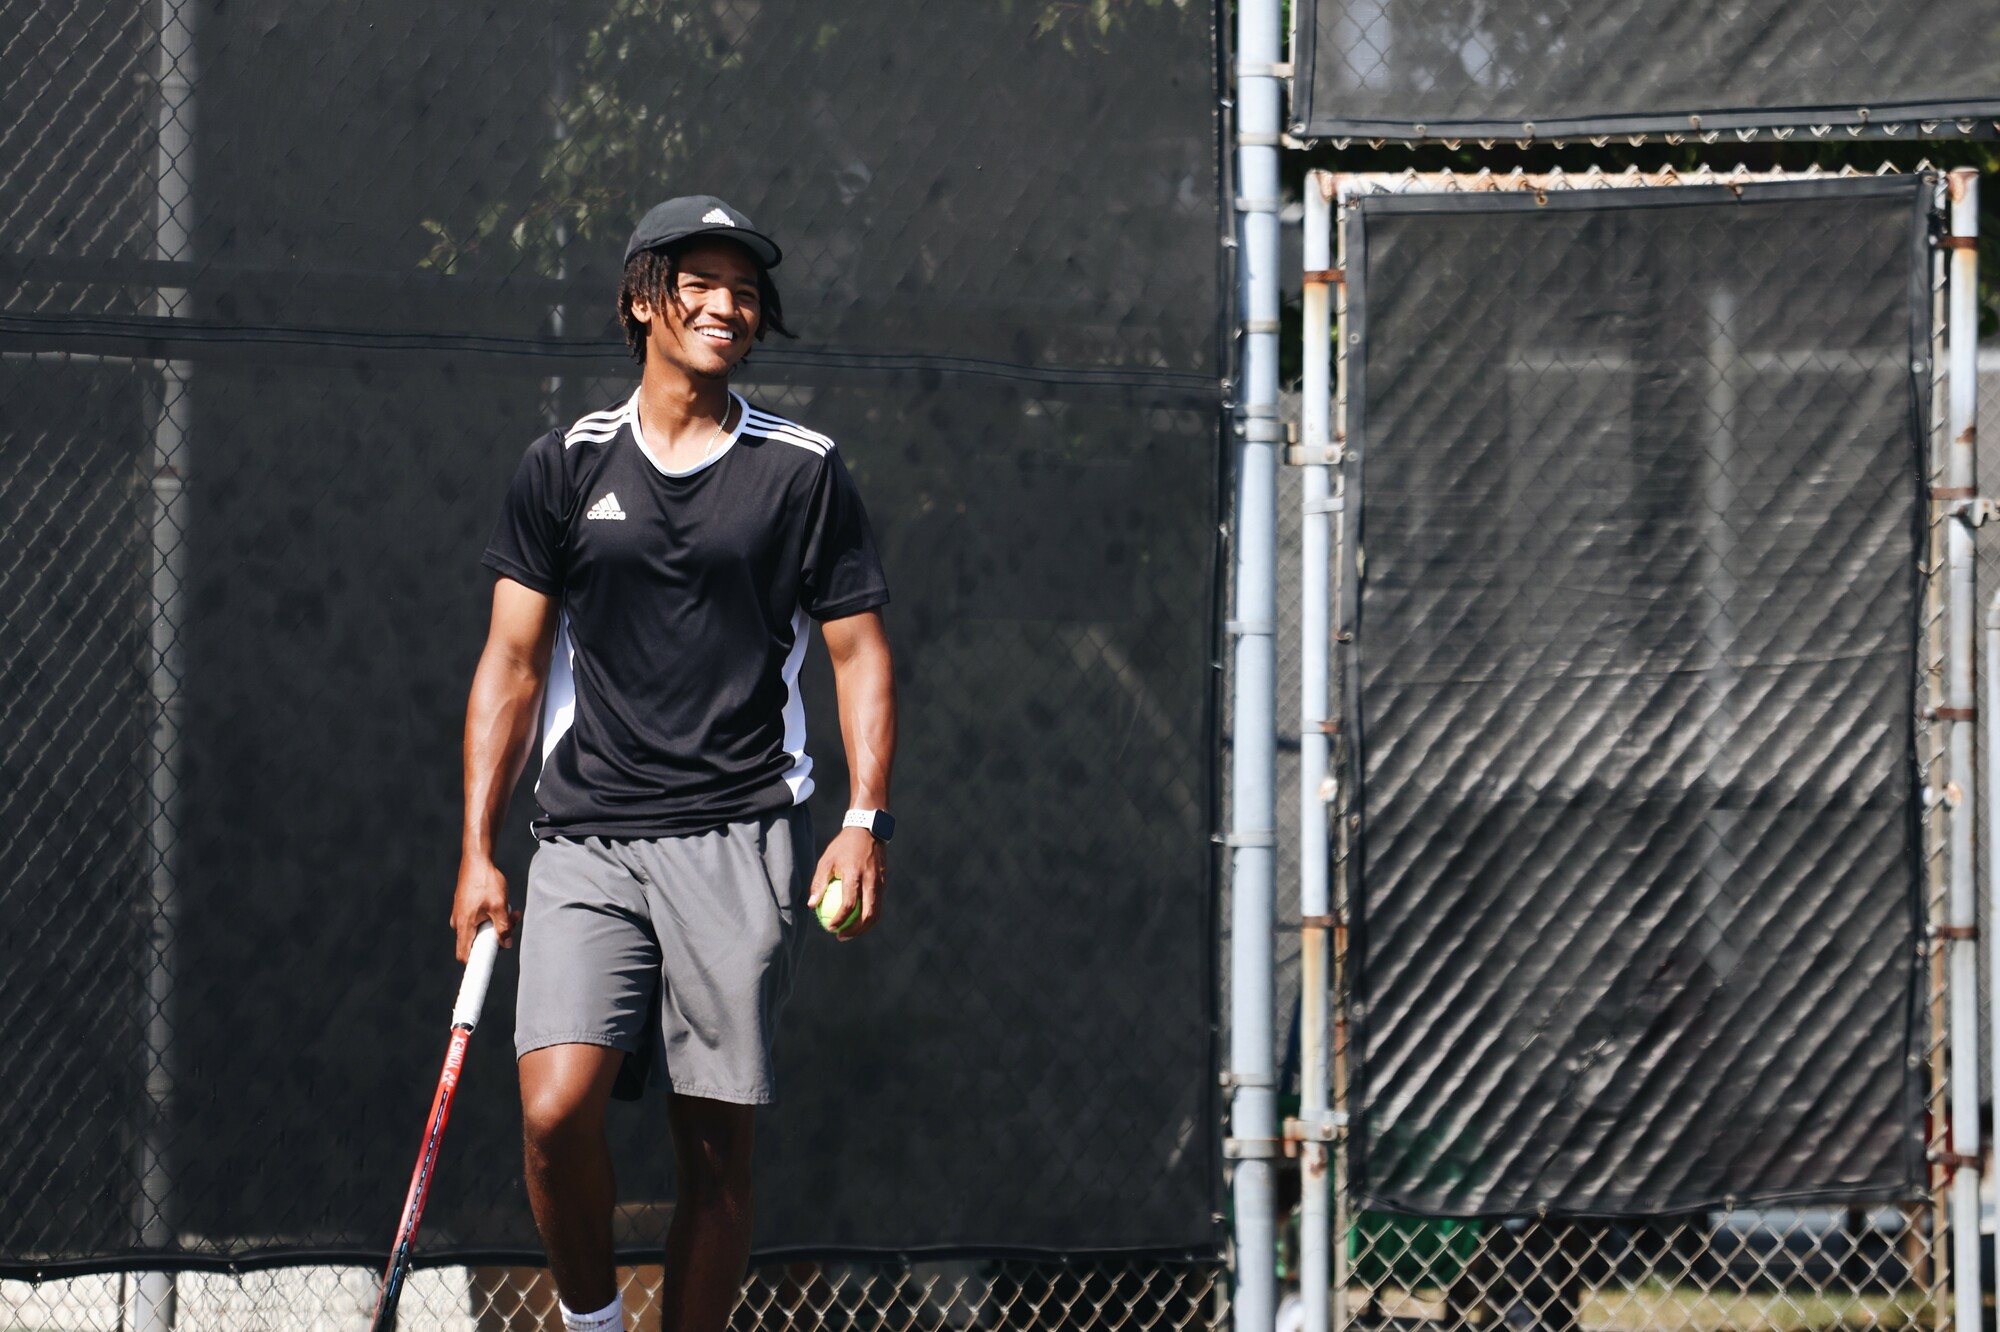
717	334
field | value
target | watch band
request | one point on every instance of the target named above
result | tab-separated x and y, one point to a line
878	822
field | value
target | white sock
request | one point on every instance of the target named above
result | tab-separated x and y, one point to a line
611	1318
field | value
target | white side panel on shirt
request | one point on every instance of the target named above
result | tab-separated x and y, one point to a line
559	705
799	776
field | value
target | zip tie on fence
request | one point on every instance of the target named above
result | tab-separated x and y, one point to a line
1315	455
1326	276
1276	69
1263	326
1958	242
1323	504
1262	204
1250	139
1254	838
1250	628
1951	714
1254	1081
1958	932
1954	492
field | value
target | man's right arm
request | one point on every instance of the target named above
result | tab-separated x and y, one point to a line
500	721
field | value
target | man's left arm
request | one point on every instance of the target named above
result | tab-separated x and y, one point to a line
864	682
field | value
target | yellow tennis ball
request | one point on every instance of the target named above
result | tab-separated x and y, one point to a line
834	911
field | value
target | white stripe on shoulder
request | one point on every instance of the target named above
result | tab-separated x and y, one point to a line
592	418
777	427
796	441
767	419
595	426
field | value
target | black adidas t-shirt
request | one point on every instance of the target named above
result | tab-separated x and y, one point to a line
673	701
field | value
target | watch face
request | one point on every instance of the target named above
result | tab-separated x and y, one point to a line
883	825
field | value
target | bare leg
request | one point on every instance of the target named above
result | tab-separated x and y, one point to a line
708	1241
564	1089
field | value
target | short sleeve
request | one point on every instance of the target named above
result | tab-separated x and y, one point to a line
840	571
527	541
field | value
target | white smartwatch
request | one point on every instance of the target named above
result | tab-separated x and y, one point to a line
876	821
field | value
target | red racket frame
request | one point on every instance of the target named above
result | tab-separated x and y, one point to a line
465	1016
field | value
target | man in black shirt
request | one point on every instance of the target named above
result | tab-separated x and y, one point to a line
659	566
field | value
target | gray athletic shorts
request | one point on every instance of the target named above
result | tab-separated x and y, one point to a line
677	950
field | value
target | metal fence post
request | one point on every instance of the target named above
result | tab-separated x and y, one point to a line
561	88
1253	1116
1961	610
1338	800
1314	1129
174	167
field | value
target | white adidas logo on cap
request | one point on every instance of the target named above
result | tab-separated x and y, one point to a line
717	216
607	507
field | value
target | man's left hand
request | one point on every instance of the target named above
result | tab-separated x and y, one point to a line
856	858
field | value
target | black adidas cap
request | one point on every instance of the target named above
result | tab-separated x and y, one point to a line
699	215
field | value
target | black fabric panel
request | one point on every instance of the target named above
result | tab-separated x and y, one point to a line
74	894
1041	993
1414	69
1051	777
1632	687
400	269
401	169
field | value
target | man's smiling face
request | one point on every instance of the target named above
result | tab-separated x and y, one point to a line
712	314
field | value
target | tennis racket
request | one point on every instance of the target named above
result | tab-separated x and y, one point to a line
464	1017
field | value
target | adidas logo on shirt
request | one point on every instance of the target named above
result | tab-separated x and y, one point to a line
607	507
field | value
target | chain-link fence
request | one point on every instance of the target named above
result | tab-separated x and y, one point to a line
284	292
1456	69
966	1296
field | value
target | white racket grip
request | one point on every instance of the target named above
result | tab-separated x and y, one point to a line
478	974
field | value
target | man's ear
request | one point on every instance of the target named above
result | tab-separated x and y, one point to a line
642	309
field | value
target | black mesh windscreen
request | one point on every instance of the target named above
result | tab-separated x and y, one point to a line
1413	69
389	256
74	704
1633	690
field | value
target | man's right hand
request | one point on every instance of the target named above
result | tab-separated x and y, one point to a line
481	896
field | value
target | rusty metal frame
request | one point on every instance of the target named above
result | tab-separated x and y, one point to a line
1924	1236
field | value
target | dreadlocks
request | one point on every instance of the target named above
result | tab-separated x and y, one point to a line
653	276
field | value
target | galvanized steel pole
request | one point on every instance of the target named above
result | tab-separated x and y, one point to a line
1253	1113
560	86
1961	611
154	1303
1314	1130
